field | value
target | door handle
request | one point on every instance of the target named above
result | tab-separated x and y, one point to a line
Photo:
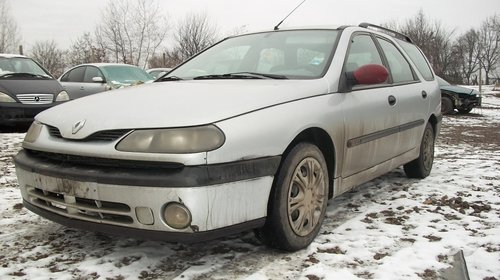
82	88
392	100
424	94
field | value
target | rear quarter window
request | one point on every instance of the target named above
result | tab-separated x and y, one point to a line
418	59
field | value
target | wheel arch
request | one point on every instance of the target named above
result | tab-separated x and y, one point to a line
452	97
433	120
323	141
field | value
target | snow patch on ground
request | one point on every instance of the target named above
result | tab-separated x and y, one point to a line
390	228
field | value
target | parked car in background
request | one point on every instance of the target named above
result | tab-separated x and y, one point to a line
87	79
458	98
26	89
256	132
158	72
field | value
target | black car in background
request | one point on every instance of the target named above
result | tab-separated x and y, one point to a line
26	89
457	98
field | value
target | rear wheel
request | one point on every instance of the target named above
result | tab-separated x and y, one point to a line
421	167
446	105
298	200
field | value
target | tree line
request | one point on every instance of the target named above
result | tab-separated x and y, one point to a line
132	32
458	59
136	31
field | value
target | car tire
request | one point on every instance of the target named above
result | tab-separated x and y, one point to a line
446	105
298	200
421	167
465	110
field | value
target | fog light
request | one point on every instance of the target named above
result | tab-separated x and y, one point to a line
177	215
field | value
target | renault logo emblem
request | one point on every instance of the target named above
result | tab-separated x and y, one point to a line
77	126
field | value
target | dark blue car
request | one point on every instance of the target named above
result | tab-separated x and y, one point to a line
457	98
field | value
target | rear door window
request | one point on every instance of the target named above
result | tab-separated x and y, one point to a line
400	69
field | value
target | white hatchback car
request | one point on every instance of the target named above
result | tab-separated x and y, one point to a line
256	132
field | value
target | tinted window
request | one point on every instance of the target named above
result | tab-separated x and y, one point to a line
399	67
90	73
418	58
75	75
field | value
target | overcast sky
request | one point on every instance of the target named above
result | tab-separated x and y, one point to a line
66	20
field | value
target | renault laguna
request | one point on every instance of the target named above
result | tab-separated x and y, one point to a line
256	132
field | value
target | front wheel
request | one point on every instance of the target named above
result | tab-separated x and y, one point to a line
446	105
298	200
465	110
421	167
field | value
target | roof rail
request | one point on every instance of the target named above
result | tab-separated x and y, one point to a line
387	31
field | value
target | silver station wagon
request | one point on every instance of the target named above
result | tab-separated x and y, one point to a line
256	132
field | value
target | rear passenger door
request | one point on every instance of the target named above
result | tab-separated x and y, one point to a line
411	97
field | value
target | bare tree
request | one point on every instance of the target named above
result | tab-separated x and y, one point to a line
432	38
49	56
193	34
166	59
489	38
86	50
466	51
238	30
9	33
132	30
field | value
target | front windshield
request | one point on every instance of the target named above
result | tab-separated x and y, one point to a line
122	74
298	54
9	65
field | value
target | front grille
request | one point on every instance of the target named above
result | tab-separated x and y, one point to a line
54	132
35	98
81	208
63	159
104	136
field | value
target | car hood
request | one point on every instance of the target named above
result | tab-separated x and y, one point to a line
22	86
175	104
458	89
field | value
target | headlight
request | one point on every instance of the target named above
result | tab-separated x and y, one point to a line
33	132
62	96
173	141
5	98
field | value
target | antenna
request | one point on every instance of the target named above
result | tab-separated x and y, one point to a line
278	25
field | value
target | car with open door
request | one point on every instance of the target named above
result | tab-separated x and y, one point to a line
256	132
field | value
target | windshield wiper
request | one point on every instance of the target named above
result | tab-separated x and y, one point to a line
11	74
241	75
261	75
169	78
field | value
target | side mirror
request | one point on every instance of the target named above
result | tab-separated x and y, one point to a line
97	80
370	74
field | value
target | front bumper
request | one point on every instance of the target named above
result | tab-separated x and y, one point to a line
470	102
222	199
18	113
